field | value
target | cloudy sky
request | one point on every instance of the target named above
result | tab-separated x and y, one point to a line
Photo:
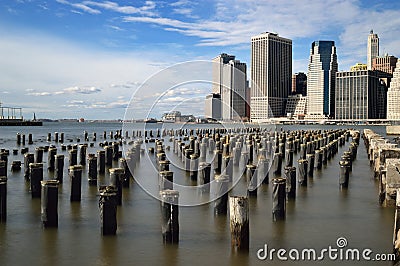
76	58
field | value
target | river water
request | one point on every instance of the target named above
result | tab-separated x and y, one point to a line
319	215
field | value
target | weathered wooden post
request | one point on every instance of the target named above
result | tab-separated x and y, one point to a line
203	152
318	160
239	222
244	160
18	139
3	168
217	161
123	163
227	167
36	176
3	199
303	170
194	166
101	161
289	158
166	180
169	216
303	151
115	149
221	194
59	167
28	159
75	175
116	177
51	158
324	155
108	210
344	174
290	176
82	154
310	160
92	171
263	170
108	155
186	159
396	229
49	203
203	177
251	179
73	157
279	199
39	154
277	169
30	139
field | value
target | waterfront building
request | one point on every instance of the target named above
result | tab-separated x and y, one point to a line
321	77
393	96
372	48
230	81
296	106
386	63
218	71
271	75
213	106
299	84
360	95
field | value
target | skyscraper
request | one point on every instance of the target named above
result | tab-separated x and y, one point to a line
233	93
299	84
359	93
321	76
217	72
372	48
271	75
229	80
393	95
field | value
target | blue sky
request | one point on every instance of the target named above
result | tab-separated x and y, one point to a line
77	58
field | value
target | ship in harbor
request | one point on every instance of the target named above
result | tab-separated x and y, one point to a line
12	116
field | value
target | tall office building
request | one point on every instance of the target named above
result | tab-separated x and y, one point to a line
386	63
299	84
233	90
271	75
230	81
213	106
217	71
360	95
393	95
372	48
321	76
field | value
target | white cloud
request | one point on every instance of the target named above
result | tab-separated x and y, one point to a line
90	7
81	6
82	90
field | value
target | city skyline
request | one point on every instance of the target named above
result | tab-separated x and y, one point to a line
68	58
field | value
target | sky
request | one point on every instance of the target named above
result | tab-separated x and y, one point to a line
92	59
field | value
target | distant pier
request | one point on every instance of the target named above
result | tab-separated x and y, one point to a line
8	117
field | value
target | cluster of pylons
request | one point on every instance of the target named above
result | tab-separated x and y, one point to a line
259	153
384	157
